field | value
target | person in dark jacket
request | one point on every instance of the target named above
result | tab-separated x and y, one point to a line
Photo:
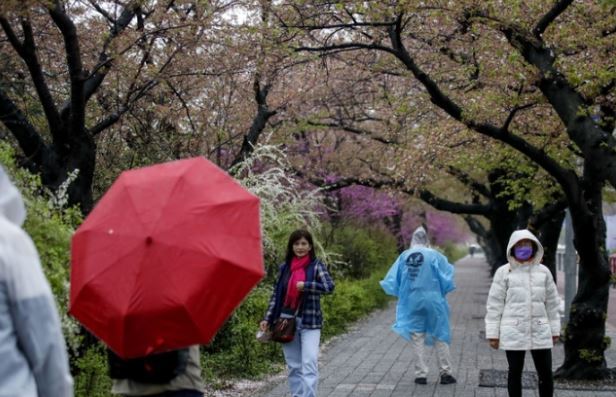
301	282
188	383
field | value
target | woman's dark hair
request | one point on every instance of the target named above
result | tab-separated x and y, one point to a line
296	235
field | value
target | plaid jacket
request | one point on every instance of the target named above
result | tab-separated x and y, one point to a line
318	282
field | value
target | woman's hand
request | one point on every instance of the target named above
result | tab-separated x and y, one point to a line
555	338
300	285
494	343
263	325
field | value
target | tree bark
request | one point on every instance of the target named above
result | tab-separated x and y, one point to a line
549	233
72	146
259	122
547	223
584	337
394	225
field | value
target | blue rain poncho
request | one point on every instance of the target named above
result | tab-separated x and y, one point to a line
420	278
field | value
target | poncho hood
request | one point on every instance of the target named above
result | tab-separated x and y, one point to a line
420	238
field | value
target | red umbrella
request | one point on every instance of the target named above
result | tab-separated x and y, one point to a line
165	257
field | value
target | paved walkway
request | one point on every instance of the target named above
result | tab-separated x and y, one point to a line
373	361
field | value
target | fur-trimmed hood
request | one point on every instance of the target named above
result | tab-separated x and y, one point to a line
517	236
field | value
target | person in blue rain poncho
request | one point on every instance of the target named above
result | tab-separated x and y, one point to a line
420	278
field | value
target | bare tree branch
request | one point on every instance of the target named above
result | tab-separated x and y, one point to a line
259	122
345	46
353	25
467	180
27	51
27	136
102	11
95	79
76	121
184	105
10	34
548	18
357	131
108	121
512	114
424	195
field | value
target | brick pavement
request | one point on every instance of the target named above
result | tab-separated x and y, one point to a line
372	361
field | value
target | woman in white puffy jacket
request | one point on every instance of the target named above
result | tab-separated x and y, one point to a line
522	312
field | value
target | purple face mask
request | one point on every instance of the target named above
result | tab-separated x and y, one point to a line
523	253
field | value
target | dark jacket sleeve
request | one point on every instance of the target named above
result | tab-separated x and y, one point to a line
323	282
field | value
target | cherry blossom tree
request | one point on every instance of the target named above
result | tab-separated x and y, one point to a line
518	80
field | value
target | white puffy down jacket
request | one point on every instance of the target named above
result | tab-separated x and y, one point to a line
522	307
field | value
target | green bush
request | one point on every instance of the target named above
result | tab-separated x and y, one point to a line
92	379
454	252
234	351
50	228
362	250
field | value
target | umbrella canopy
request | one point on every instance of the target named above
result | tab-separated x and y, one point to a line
165	257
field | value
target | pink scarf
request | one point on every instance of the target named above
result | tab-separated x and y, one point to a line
298	273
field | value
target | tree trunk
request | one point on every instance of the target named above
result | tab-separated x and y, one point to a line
80	190
394	225
548	233
584	337
503	220
55	170
498	245
491	246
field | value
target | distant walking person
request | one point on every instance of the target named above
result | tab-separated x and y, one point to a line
302	280
34	362
421	277
522	312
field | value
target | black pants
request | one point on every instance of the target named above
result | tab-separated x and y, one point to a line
543	364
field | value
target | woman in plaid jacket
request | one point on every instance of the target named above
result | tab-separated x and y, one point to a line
301	282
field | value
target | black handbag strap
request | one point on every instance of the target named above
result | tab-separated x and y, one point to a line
299	306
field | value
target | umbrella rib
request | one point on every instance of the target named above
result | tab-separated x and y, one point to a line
168	202
181	178
103	270
218	206
132	202
135	206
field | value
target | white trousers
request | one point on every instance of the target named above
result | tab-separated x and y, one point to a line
442	355
302	356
